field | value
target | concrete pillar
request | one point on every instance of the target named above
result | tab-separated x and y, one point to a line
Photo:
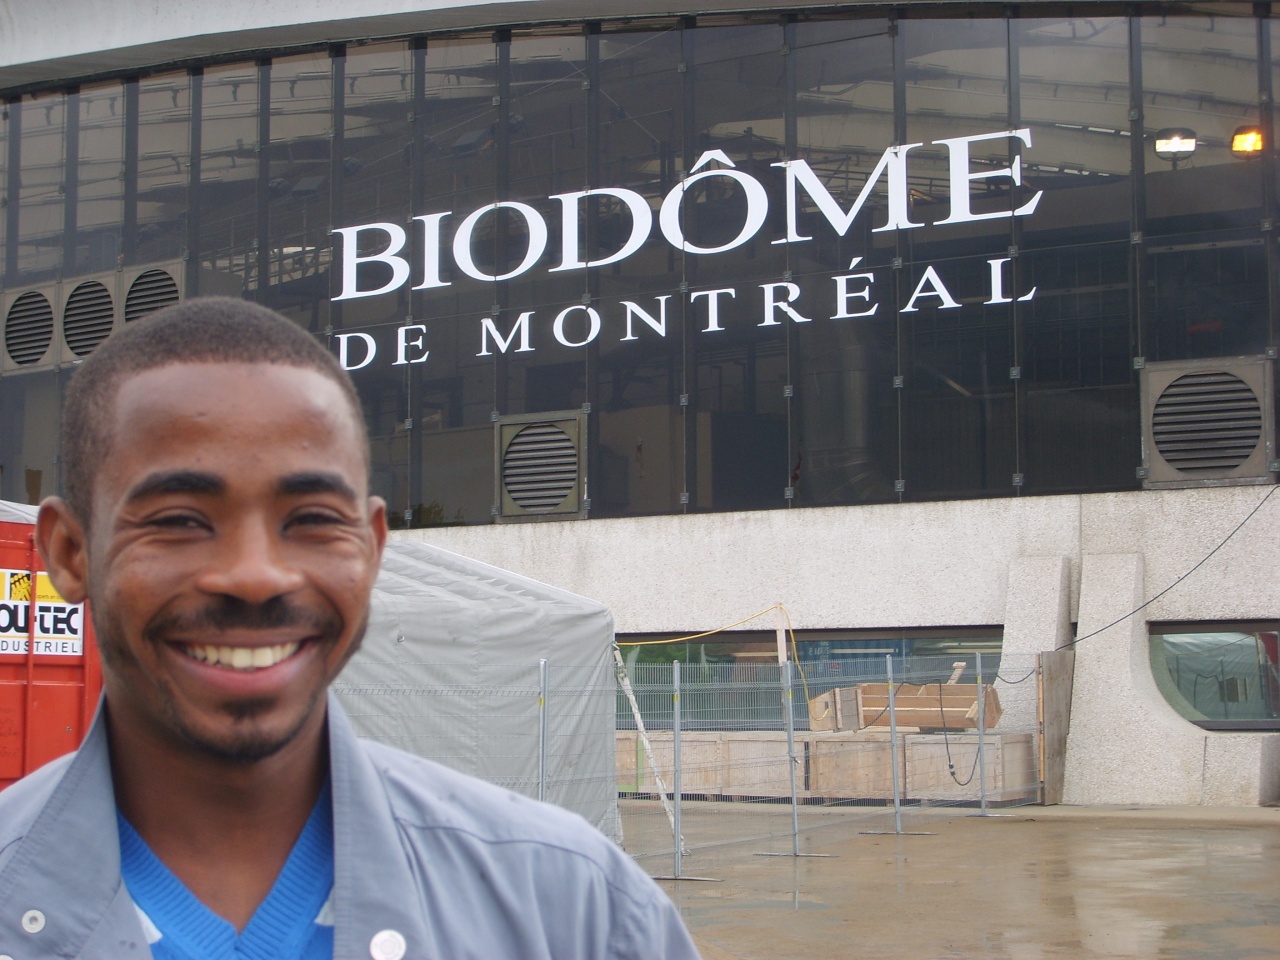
1037	617
1126	745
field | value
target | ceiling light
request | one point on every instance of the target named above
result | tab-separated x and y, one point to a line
1247	142
1175	143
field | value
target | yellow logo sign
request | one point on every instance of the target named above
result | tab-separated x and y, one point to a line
57	627
20	588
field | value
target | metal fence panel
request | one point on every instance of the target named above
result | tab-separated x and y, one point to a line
571	735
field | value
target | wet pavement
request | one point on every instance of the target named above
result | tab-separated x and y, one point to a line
1031	883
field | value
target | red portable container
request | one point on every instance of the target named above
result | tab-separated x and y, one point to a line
50	676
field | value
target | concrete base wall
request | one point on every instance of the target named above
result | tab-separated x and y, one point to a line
1032	564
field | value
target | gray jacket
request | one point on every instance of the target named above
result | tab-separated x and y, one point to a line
459	868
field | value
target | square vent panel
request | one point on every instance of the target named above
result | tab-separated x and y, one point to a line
31	340
541	462
1208	422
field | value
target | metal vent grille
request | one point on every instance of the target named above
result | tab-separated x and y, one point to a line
152	290
28	328
1205	423
540	467
88	317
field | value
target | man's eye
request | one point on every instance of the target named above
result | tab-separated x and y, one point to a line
177	521
314	518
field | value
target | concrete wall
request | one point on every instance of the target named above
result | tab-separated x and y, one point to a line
1033	564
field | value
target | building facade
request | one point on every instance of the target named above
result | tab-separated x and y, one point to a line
947	324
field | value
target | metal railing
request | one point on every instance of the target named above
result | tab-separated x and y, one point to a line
735	752
697	756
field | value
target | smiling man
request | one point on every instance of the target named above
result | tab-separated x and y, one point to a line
218	520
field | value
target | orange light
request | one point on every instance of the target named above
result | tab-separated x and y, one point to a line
1246	142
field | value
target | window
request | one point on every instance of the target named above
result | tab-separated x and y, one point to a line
1220	676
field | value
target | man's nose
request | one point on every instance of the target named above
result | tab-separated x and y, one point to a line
250	563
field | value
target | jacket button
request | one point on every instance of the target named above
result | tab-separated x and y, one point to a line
33	921
387	945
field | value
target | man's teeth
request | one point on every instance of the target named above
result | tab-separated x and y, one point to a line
242	658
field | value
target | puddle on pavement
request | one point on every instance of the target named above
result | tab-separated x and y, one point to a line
1050	890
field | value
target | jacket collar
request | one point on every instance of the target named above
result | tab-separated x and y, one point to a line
68	864
375	891
68	868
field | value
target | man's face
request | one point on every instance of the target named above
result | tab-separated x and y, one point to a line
231	554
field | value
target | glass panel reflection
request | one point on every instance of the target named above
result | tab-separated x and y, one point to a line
99	194
1225	675
959	395
298	160
844	361
1073	81
41	193
1080	427
640	443
1205	251
229	170
164	163
737	447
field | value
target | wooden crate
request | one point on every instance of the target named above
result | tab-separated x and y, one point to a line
853	766
701	763
832	765
756	765
1010	767
932	706
835	710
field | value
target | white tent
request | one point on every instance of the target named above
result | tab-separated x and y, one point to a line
450	670
11	512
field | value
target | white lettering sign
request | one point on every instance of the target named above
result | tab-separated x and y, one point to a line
369	251
889	171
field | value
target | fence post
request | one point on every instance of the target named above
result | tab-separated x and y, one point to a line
676	785
790	720
893	747
542	729
982	740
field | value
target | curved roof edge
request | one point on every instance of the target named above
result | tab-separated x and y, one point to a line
61	41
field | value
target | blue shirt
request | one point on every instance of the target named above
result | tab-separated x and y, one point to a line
294	922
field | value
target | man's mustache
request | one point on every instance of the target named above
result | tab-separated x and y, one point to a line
232	613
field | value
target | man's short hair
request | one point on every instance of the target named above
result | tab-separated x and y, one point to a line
200	330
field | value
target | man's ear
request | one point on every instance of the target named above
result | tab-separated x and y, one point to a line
60	538
378	522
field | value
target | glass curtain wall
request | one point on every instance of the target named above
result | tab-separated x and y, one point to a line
846	408
1205	253
158	194
646	442
1079	407
93	235
35	219
821	260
